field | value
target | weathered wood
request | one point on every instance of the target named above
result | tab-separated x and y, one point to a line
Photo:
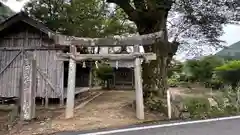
30	48
10	62
61	84
109	41
46	79
46	98
169	104
133	78
30	40
34	87
81	57
138	86
27	106
44	76
71	85
90	77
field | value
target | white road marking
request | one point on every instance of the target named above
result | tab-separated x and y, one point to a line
161	126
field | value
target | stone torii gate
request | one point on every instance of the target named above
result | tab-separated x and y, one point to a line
136	57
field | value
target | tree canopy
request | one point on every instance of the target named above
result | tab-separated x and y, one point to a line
203	69
85	18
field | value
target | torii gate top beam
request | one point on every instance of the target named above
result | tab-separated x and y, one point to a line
113	57
147	39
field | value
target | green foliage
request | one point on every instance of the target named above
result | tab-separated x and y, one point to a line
230	73
200	108
215	82
85	18
156	104
231	65
174	80
197	107
174	67
104	72
202	70
175	74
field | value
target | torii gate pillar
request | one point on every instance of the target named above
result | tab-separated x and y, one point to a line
138	86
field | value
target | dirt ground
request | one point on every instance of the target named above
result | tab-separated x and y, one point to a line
110	109
196	90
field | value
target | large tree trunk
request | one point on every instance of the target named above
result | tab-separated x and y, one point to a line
151	16
155	72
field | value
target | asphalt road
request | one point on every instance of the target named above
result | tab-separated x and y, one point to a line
225	127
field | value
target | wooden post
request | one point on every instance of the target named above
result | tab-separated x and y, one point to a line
34	87
71	84
138	86
62	87
28	89
20	94
46	98
133	84
90	77
169	104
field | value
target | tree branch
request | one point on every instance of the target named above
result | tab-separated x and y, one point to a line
128	9
140	5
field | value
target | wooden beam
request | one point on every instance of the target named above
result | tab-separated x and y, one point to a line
138	86
118	40
113	57
30	48
71	85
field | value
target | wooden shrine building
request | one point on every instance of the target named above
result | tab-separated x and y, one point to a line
22	36
123	76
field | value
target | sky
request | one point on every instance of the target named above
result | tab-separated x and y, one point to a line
231	31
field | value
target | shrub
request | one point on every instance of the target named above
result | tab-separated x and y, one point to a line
200	108
215	82
197	107
230	73
173	81
104	72
156	104
183	77
174	67
203	69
